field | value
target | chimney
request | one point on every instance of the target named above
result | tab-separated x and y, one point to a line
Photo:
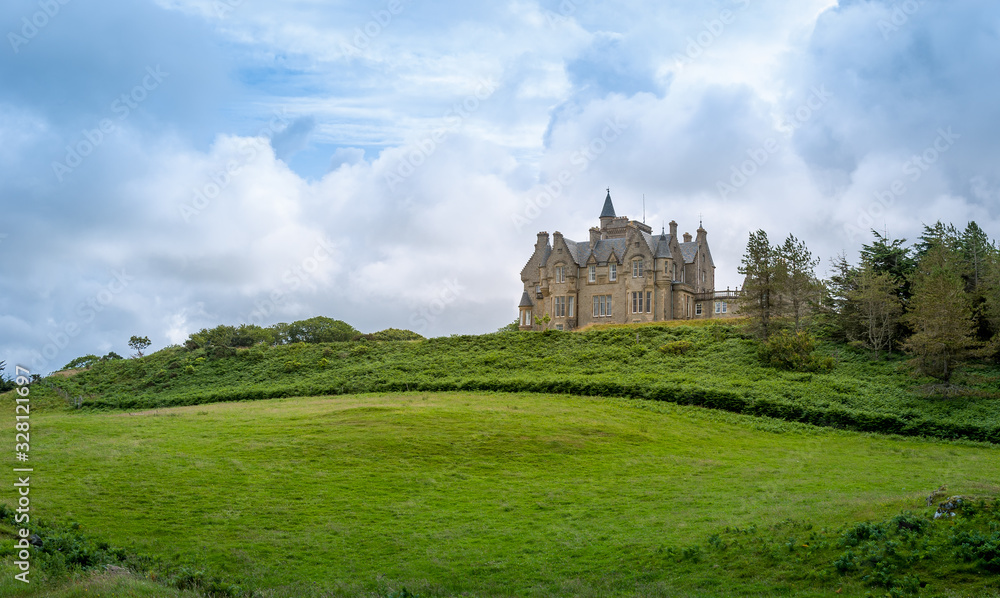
702	234
673	229
595	236
556	238
687	237
543	240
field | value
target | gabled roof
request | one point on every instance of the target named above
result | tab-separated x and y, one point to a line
604	247
688	251
578	253
609	208
525	300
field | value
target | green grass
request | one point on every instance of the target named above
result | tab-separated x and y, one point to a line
721	370
488	494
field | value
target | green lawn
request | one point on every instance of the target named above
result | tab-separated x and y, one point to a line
718	368
484	494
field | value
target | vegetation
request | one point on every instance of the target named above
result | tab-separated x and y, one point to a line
711	365
498	495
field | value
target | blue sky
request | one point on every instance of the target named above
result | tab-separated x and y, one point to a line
175	164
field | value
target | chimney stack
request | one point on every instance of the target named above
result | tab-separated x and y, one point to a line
687	237
673	229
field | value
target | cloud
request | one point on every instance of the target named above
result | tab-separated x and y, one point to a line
298	159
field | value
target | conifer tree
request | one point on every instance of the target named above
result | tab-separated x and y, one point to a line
799	284
763	273
878	307
939	312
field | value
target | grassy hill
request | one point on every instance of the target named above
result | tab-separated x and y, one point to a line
497	495
710	365
461	473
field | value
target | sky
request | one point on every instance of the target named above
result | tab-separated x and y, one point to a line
170	165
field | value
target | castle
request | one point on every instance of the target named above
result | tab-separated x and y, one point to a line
623	274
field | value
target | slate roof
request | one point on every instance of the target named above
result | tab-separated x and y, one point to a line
603	248
525	300
578	253
662	246
688	251
609	208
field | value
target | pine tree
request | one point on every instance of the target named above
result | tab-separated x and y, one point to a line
939	312
799	285
890	255
878	308
763	273
838	310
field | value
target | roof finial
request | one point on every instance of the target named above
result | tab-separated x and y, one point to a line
699	219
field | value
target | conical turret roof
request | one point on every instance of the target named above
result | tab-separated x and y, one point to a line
609	208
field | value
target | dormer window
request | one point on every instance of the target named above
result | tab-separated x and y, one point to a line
592	274
612	271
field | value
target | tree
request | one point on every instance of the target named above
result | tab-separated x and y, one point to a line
139	344
761	285
889	255
799	286
876	302
321	330
939	312
82	362
839	311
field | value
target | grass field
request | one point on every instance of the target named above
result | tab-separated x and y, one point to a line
483	494
710	365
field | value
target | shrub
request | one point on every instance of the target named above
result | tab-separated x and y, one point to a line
677	347
792	351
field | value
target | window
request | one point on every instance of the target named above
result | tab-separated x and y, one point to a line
526	317
704	277
675	273
559	326
613	272
560	273
642	303
592	274
569	307
720	307
697	309
682	274
636	268
559	306
538	291
602	306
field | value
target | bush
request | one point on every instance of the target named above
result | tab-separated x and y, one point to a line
82	362
793	351
677	347
395	334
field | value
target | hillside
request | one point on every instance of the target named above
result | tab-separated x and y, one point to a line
710	365
499	495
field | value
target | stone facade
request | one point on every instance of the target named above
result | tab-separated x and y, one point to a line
624	273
